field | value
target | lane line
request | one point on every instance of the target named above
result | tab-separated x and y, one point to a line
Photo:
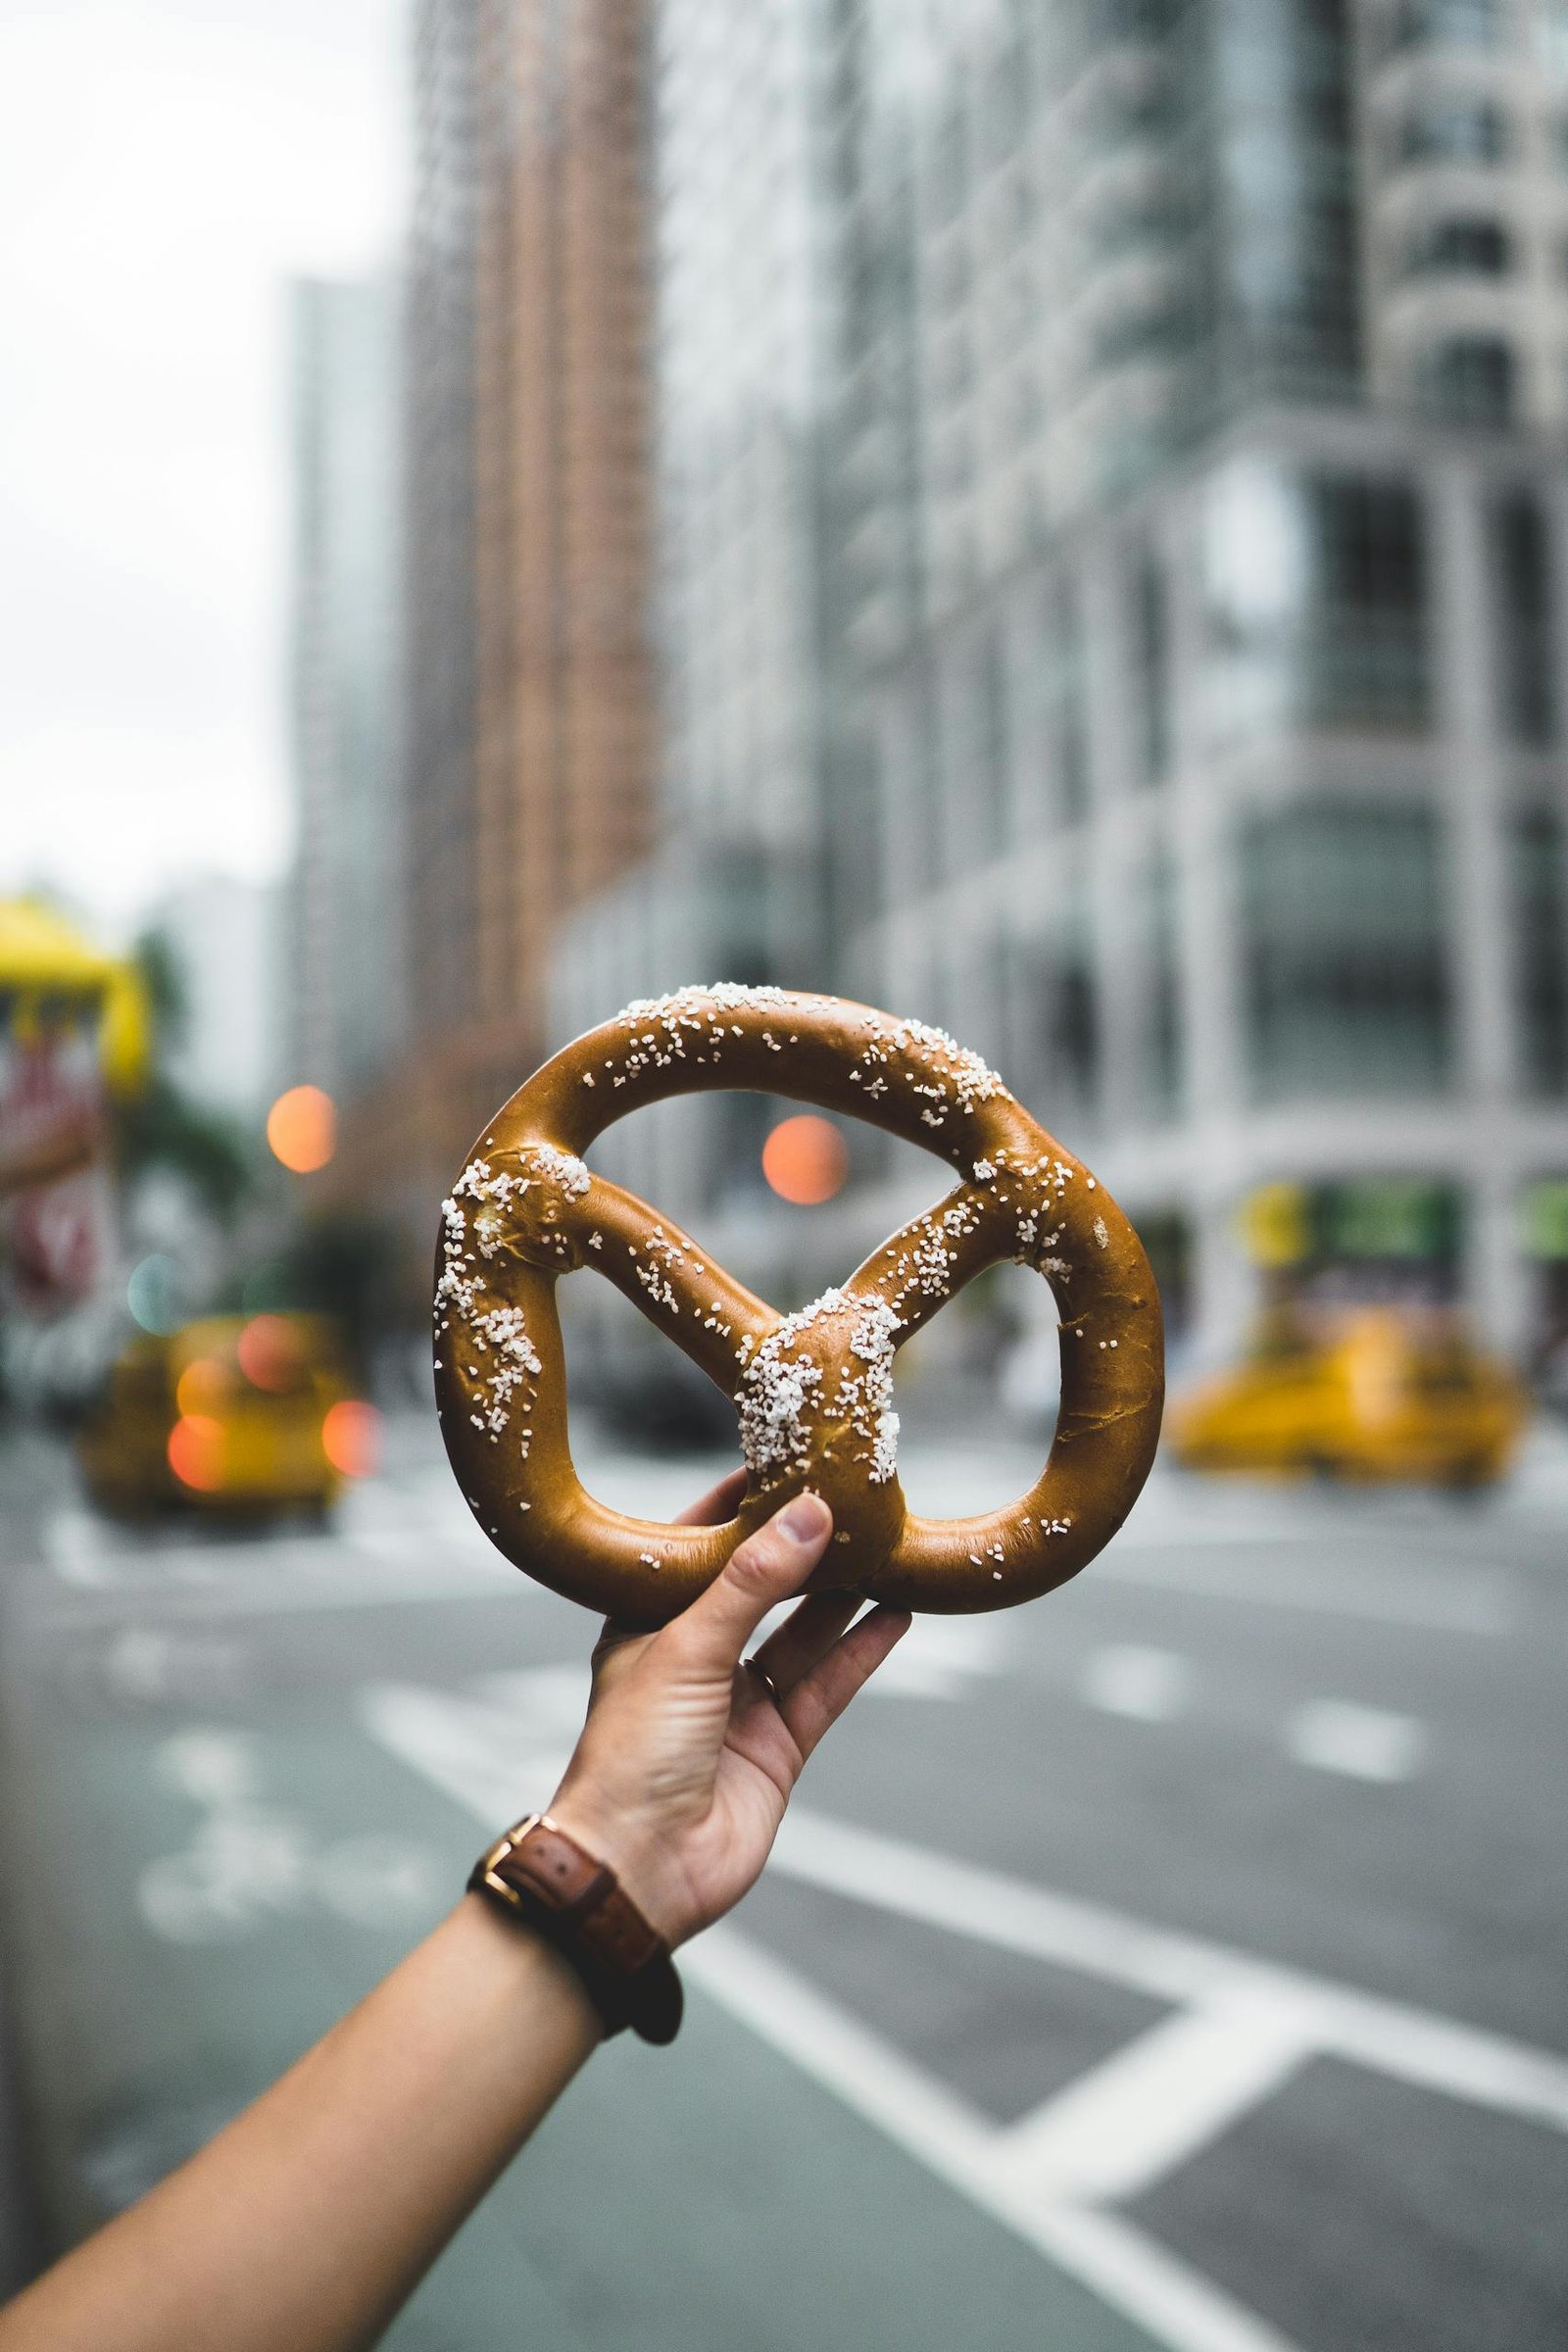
1154	2103
1135	2273
1487	1606
1387	2036
83	1555
488	1750
1243	2026
1362	1743
1128	2271
1136	1682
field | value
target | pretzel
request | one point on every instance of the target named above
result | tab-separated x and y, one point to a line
814	1389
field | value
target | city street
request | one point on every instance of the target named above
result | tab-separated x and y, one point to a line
1181	1961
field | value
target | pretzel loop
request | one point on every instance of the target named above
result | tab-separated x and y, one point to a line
813	1389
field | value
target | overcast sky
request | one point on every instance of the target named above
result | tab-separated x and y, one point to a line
165	167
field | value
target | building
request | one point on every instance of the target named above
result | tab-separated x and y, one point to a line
1180	553
346	915
530	723
735	363
474	674
226	941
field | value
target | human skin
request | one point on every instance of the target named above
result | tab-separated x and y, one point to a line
309	2221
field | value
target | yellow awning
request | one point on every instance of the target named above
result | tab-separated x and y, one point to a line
42	955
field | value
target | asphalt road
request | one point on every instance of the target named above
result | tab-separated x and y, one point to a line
1181	1961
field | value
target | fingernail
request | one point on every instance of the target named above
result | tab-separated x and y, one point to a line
805	1519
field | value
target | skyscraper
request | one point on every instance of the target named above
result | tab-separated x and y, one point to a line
529	727
346	939
1182	554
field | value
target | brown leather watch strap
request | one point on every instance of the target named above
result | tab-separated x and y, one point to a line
541	1875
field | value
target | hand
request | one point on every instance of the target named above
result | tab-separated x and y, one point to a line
685	1765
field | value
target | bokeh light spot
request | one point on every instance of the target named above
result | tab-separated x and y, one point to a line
805	1160
268	1352
351	1438
203	1386
196	1453
150	1296
301	1129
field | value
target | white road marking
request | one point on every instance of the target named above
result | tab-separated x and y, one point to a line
497	1753
379	1880
436	1552
213	1768
248	1861
1364	1744
1145	1685
1156	2101
74	1548
1241	2025
281	1574
1415	2045
942	1657
939	1657
1449	1601
868	2075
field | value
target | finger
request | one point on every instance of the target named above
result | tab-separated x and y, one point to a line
807	1635
708	1510
821	1698
719	1503
764	1569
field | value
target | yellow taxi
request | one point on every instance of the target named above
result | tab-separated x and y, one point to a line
1379	1394
238	1413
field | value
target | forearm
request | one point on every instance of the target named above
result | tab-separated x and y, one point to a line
309	2218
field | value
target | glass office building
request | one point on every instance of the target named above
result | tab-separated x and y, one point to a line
1175	550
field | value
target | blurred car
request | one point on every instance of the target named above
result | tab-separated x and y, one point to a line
234	1413
1377	1395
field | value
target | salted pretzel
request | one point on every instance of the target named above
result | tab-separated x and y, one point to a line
814	1389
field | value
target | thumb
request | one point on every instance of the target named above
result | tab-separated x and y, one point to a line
760	1572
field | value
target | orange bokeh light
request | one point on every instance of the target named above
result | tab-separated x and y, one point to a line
268	1352
805	1160
202	1385
301	1129
196	1453
351	1438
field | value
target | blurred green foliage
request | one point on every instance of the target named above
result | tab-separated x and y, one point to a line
164	1126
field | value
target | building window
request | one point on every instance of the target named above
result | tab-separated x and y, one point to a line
1150	651
929	860
1469	379
1455	131
1151	330
1472	247
991	765
949	168
1316	601
1448	24
1539	925
1344	969
1005	112
1522	619
1551	36
1068	1024
1156	961
1064	702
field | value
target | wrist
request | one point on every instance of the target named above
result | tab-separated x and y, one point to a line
524	1962
635	1850
541	1876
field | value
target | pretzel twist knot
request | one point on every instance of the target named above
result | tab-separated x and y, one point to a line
814	1389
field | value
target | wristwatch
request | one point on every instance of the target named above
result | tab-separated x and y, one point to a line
538	1873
